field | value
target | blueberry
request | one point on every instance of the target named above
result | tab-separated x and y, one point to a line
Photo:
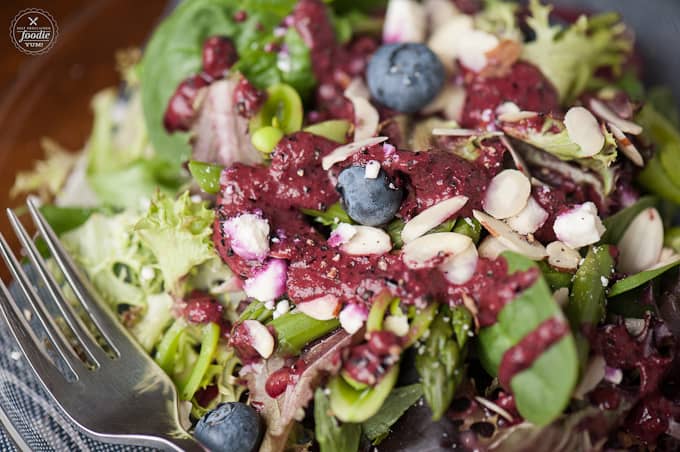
370	202
405	77
230	427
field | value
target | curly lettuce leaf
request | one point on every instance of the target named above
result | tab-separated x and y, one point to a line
500	18
156	317
569	57
112	257
178	233
48	175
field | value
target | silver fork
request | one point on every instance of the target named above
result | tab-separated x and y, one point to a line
116	393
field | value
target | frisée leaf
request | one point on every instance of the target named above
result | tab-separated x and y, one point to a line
570	56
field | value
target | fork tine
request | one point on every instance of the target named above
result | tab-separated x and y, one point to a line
29	344
55	335
111	330
90	347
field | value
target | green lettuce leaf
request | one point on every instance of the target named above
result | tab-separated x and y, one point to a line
553	138
122	168
178	233
569	57
156	317
113	258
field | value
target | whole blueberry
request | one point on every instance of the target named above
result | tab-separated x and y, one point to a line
368	201
230	427
405	77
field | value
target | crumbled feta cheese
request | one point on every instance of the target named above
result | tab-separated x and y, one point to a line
579	226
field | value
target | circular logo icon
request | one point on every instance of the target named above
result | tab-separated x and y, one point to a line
33	31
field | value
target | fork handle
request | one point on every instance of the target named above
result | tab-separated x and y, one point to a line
177	442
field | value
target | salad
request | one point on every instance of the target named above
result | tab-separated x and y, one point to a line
403	225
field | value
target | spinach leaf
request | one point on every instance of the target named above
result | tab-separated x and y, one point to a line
174	53
587	298
441	364
63	219
618	223
330	217
543	390
672	238
628	304
639	279
332	436
400	399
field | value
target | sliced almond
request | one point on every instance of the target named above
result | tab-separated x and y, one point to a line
491	247
584	130
438	12
516	116
432	249
472	51
367	241
562	257
432	217
342	153
372	169
459	268
667	256
366	118
450	101
357	88
509	238
444	41
641	244
532	217
604	112
451	132
626	146
405	21
322	308
507	194
561	296
592	376
260	338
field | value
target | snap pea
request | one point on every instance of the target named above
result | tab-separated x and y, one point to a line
587	298
420	323
256	310
353	405
206	175
377	312
211	335
282	109
331	436
167	349
294	330
333	129
266	138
